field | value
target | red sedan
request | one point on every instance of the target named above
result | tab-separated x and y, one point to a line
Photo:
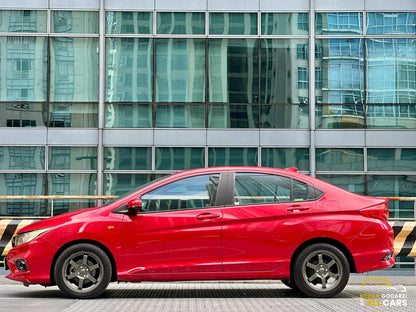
211	224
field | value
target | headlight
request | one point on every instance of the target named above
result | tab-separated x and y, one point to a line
23	238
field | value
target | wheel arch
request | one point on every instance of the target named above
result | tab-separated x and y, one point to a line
325	240
83	241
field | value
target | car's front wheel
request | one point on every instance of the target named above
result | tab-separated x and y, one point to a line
321	270
83	271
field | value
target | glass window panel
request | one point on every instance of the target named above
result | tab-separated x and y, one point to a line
22	157
351	183
189	193
339	23
179	158
77	115
339	116
128	158
284	75
253	188
74	69
399	116
181	23
391	159
23	114
339	159
129	23
284	116
391	71
232	156
284	23
233	71
118	184
379	23
285	158
128	116
180	70
72	183
73	158
233	23
396	186
23	21
75	22
22	184
180	116
129	70
23	68
233	116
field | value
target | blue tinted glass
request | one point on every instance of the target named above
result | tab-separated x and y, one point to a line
379	23
338	23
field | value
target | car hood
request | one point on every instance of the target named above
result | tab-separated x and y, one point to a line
61	219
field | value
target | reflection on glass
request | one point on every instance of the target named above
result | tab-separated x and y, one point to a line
77	115
391	71
118	184
339	159
284	75
284	23
233	70
232	156
233	23
233	116
21	157
284	116
399	116
285	158
23	68
391	159
72	183
181	23
340	116
379	23
22	184
351	183
74	22
128	116
73	158
180	116
398	186
179	158
23	21
23	114
339	23
74	69
129	23
180	70
128	158
129	70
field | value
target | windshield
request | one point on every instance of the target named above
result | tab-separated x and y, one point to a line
134	190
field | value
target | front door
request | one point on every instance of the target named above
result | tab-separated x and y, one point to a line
179	229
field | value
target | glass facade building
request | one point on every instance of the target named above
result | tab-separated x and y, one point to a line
99	97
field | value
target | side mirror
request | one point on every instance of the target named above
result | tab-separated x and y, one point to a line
134	205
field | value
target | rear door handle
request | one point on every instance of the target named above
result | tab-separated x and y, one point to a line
207	216
296	208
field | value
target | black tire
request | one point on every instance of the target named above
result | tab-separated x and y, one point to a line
289	283
83	271
321	271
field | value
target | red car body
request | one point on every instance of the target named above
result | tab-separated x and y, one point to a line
229	240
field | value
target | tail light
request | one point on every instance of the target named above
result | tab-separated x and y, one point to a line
380	211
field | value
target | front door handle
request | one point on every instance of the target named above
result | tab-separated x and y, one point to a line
296	208
207	216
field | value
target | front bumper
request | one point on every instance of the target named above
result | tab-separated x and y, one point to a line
37	256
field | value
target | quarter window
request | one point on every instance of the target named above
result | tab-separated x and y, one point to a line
190	193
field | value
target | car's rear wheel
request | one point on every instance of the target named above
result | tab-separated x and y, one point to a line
83	271
321	270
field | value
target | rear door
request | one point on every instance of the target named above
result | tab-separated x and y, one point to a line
268	215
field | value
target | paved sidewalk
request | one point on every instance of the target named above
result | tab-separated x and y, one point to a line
205	297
